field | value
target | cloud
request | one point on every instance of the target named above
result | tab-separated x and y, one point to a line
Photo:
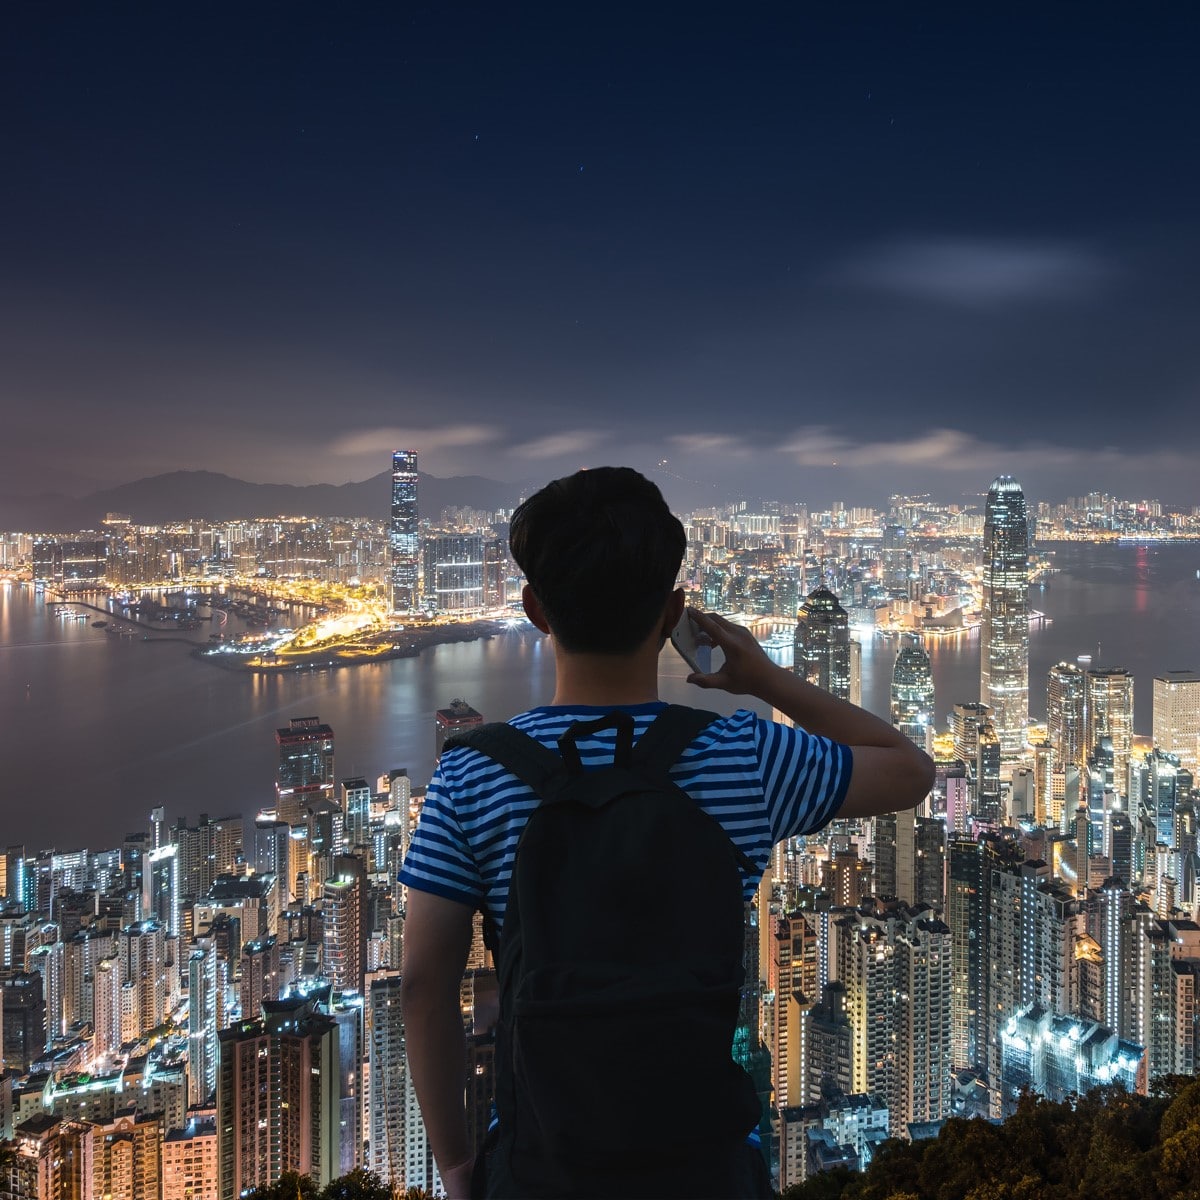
709	443
560	445
953	450
379	441
978	272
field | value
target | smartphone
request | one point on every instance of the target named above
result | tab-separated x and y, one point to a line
685	637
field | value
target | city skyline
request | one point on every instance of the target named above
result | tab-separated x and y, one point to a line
527	242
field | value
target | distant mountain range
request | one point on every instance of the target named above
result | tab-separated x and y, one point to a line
207	495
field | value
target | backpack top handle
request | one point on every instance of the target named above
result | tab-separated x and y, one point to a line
622	722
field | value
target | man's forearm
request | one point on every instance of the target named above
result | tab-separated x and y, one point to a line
437	1057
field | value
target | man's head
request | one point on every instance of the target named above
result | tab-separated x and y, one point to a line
601	551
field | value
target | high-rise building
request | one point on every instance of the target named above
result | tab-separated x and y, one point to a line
1004	631
457	717
405	533
388	1068
1177	716
1066	697
305	771
277	1098
822	643
344	902
1110	714
206	1015
454	573
22	1019
912	695
896	967
189	1159
356	812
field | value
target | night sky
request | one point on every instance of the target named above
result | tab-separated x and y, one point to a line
813	251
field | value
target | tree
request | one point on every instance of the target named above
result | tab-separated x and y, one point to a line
358	1185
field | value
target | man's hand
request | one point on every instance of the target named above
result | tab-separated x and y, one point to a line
746	663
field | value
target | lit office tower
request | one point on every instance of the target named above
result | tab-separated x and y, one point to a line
822	643
1177	716
912	694
1065	709
1004	632
896	560
1110	714
454	572
1116	907
405	535
356	812
389	1066
305	768
277	1098
1159	787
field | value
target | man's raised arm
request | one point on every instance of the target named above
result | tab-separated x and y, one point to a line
890	772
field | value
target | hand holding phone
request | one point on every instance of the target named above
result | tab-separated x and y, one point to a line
693	645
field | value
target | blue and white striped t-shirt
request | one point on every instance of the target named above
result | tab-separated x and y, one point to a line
762	781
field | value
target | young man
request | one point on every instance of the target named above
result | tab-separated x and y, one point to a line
601	552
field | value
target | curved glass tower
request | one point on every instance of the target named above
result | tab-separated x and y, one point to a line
1004	635
822	643
912	694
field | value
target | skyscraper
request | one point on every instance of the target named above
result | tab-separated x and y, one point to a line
912	694
277	1098
1177	716
1004	633
1065	708
1110	714
305	767
405	531
822	643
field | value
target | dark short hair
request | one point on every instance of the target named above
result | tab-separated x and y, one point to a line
601	551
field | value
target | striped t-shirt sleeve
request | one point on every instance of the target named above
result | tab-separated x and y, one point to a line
805	778
439	858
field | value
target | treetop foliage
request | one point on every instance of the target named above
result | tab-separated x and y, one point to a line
1107	1145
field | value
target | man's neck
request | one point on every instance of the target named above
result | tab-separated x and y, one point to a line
606	679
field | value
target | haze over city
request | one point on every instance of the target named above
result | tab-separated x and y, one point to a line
813	253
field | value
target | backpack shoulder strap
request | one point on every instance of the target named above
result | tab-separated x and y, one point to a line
517	752
673	730
659	748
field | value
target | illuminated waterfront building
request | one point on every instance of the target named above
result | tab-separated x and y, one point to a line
457	717
405	533
1176	719
822	643
1110	714
305	770
1004	629
912	695
454	573
1066	696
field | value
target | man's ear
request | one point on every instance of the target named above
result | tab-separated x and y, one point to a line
533	609
673	611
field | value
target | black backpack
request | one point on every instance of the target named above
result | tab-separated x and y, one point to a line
620	968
